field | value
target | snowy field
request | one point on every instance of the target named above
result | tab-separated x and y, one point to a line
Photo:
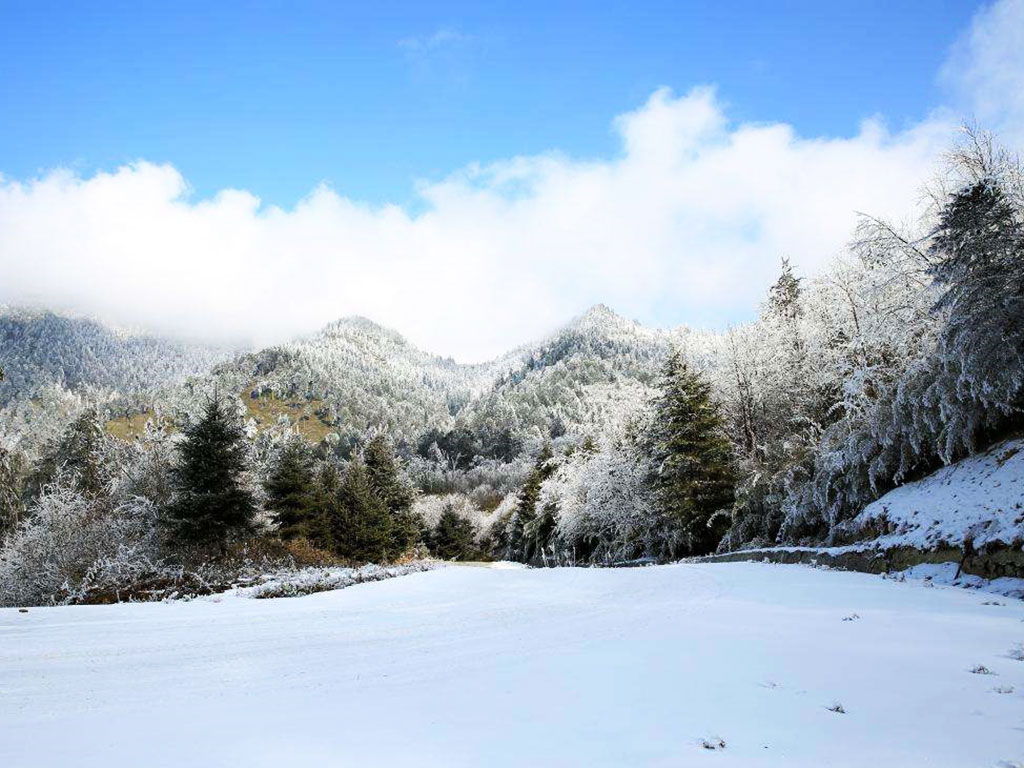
570	667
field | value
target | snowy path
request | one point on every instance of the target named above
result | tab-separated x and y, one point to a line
476	666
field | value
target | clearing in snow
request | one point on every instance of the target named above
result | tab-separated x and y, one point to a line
726	664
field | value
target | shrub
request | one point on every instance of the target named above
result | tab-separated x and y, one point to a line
71	545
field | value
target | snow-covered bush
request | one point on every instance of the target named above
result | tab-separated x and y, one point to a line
308	581
605	505
431	507
70	546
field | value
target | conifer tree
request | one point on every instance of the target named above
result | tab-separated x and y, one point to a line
978	262
521	544
11	485
396	495
362	530
211	503
290	490
784	295
328	514
693	475
453	536
77	453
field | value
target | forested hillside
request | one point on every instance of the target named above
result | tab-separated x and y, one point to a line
39	348
605	442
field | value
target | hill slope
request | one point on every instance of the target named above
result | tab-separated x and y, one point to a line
351	376
359	375
38	348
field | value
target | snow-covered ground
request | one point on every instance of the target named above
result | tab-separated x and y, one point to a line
980	497
514	667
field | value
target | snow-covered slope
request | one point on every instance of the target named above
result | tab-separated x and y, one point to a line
355	373
567	667
980	498
364	375
39	348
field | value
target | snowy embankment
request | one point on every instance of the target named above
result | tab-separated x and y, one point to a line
980	498
476	666
962	525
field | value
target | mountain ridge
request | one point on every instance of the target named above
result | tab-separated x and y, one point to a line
352	375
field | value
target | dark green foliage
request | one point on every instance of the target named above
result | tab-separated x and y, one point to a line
978	254
460	447
75	453
692	458
453	537
290	489
210	504
361	530
523	544
394	492
328	514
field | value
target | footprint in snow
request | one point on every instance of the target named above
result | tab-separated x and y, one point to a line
713	743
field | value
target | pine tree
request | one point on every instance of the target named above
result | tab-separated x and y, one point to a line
362	530
521	544
978	261
453	536
211	503
396	495
75	453
290	490
12	508
784	295
692	459
328	516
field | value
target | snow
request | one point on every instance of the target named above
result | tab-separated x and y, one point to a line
947	574
981	497
732	664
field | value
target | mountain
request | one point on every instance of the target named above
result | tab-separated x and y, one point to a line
350	376
590	372
354	375
38	348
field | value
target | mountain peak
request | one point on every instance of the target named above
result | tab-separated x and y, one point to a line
601	317
345	325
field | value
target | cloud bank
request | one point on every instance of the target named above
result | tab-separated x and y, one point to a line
686	224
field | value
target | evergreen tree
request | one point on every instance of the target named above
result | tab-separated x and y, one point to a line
328	514
290	490
362	530
784	295
396	495
11	485
76	453
521	543
978	261
693	474
211	503
453	536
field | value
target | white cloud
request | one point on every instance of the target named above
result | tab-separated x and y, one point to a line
687	223
985	70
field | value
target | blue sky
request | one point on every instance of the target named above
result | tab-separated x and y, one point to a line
470	175
275	97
